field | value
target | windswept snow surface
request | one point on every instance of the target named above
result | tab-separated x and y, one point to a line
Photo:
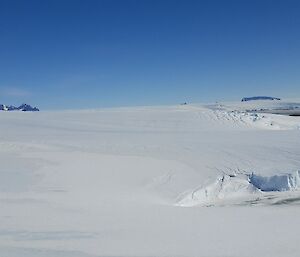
192	180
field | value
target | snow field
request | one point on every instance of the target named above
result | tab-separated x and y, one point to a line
114	182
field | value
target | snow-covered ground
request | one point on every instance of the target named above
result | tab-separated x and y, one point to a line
193	180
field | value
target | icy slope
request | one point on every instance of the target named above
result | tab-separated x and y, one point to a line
109	182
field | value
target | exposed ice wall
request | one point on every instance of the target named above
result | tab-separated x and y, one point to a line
284	182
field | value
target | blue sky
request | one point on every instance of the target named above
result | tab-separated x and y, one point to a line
61	54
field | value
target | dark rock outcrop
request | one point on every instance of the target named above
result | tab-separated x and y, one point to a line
245	99
22	107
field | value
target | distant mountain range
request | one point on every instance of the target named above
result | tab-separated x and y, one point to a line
245	99
22	107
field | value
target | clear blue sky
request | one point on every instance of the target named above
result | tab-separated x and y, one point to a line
60	54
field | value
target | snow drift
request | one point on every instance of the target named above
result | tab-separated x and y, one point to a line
223	188
239	188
